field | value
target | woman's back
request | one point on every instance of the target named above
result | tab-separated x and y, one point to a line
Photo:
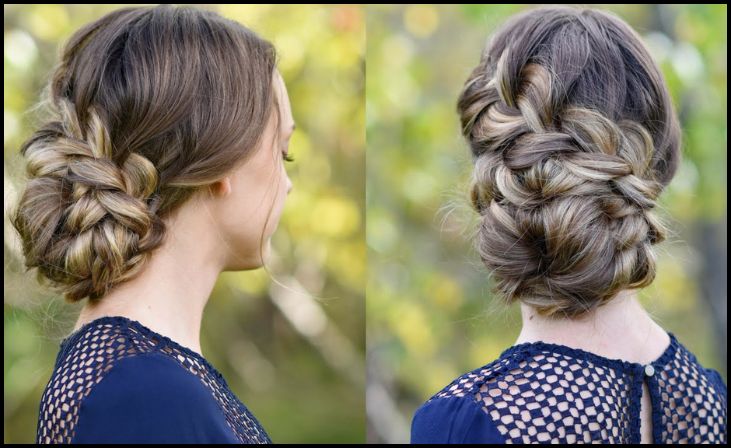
574	136
541	392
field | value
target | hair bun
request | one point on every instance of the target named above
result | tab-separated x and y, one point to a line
86	222
574	137
151	106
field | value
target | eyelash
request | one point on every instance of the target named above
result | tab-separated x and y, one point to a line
288	157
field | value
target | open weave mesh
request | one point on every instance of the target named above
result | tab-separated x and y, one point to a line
86	356
539	392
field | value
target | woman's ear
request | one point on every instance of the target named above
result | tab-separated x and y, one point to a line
221	188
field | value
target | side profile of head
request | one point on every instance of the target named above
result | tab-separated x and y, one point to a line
573	136
153	108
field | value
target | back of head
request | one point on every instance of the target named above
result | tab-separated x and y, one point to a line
574	136
150	105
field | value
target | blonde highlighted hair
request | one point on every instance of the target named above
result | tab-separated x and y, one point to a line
573	136
150	105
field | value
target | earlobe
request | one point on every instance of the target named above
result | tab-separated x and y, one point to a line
222	187
226	186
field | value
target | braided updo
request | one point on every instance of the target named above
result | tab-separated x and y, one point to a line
573	136
150	105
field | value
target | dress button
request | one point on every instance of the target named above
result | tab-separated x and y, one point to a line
649	370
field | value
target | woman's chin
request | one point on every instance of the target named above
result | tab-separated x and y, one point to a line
252	261
266	250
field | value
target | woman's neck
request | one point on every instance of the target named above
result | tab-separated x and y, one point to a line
171	292
621	329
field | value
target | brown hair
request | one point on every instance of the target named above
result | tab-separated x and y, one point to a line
151	105
573	135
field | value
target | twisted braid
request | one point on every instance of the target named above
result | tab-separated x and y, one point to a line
92	225
565	192
140	126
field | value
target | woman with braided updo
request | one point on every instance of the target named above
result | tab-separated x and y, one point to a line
162	168
573	135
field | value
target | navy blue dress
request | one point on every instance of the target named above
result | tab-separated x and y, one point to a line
538	392
117	381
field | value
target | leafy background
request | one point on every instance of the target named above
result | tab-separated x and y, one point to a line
294	355
296	359
430	316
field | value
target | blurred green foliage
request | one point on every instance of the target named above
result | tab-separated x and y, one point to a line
301	376
430	315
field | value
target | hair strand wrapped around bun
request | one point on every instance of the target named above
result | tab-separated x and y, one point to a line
573	136
150	105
